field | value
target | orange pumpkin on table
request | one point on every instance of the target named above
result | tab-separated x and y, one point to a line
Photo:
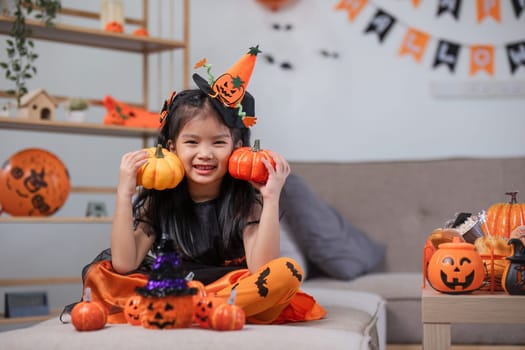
246	163
456	268
503	218
33	182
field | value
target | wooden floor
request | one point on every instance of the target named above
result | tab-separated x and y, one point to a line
460	347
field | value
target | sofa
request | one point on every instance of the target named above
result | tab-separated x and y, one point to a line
358	230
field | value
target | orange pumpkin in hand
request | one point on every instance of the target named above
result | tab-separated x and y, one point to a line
162	171
246	163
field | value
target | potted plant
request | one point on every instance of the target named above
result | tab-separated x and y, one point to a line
21	55
75	109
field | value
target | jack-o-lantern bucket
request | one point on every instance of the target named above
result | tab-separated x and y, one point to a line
33	182
455	268
172	311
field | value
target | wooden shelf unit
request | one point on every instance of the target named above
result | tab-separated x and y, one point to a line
95	38
69	34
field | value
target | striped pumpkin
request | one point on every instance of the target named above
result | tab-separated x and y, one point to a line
502	218
246	163
227	316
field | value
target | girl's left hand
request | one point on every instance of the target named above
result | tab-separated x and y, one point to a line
276	177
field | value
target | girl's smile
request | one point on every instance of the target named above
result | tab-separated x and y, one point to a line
204	146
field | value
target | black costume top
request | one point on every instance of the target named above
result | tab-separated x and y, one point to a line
215	257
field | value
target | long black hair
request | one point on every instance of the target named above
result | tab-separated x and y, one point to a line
172	211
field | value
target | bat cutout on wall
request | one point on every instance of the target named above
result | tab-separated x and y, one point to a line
261	282
328	54
286	27
284	65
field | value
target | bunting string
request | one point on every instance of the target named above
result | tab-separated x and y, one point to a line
416	42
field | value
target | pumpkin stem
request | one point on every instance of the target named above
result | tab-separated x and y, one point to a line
190	276
513	197
158	151
256	146
231	299
87	296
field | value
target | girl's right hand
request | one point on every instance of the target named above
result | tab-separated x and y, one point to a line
129	166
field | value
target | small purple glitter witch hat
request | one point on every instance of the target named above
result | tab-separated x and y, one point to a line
167	276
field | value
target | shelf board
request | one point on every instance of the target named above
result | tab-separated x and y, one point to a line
75	128
55	220
6	282
69	34
29	319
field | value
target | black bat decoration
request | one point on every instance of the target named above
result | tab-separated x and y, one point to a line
261	281
294	271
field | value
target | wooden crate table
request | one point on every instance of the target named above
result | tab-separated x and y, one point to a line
440	310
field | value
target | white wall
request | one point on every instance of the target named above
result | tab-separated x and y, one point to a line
369	104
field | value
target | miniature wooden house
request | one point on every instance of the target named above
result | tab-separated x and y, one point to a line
37	105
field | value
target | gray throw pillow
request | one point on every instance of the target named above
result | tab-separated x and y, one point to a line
328	241
290	249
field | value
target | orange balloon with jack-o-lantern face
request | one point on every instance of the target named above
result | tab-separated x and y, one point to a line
33	182
456	268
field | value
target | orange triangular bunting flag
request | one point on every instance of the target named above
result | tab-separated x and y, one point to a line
352	7
489	8
482	58
414	43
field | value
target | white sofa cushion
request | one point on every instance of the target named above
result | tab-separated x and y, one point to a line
351	323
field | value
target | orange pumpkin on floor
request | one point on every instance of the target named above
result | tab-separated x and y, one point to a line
88	315
203	310
246	163
132	310
33	182
502	218
228	316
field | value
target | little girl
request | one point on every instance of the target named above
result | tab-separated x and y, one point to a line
226	230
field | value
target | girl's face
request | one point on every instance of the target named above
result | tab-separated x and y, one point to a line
204	146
